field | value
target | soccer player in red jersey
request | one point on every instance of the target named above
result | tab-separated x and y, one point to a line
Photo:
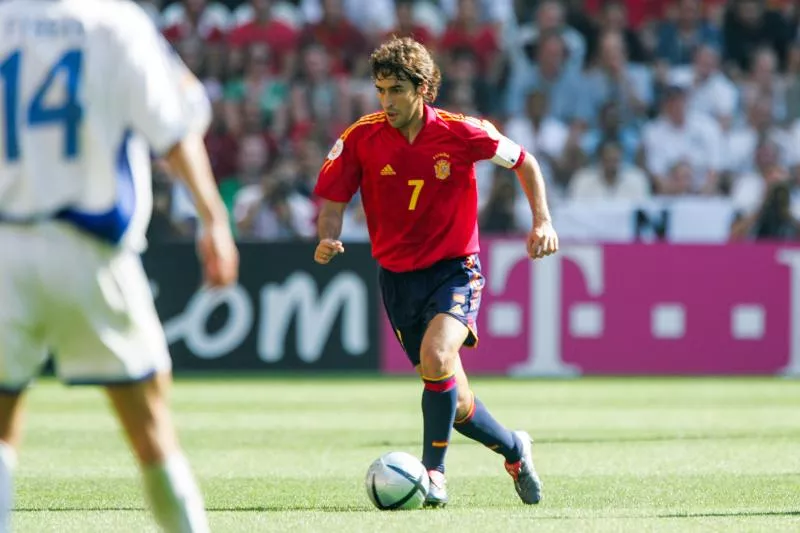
414	165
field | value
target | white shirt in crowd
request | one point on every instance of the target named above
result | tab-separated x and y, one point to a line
716	96
589	184
698	141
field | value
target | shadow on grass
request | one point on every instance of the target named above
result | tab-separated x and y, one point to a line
723	514
231	509
610	440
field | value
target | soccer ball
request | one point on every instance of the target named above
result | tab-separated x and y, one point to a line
397	480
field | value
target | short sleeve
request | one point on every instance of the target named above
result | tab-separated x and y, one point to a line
165	100
340	175
486	142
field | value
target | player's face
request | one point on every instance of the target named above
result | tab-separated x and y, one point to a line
400	100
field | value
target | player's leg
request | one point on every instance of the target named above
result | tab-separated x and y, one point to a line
143	411
438	355
22	348
473	420
10	435
108	334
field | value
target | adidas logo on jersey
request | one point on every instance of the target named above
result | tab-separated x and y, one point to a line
388	171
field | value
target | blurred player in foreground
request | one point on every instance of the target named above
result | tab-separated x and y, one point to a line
88	86
414	165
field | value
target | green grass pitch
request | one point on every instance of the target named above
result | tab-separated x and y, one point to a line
290	454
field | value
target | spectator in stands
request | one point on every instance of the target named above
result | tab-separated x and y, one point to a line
408	27
613	79
611	179
549	17
750	186
548	74
678	135
347	45
259	85
772	218
253	157
763	81
196	18
372	17
540	133
678	39
610	127
710	92
498	214
174	217
354	222
462	72
614	18
222	140
273	210
310	157
749	26
793	83
679	180
276	35
320	103
467	31
498	13
741	142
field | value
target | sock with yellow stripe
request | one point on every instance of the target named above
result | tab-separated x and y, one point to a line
479	425
439	400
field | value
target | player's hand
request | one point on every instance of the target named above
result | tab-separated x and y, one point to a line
327	250
219	255
542	240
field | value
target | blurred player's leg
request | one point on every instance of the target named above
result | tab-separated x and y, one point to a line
10	433
169	484
106	332
438	356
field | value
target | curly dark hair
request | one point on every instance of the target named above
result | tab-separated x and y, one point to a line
406	59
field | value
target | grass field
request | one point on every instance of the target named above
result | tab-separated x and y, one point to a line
290	455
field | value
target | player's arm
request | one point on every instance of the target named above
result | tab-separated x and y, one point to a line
543	240
488	143
189	159
168	106
339	179
329	227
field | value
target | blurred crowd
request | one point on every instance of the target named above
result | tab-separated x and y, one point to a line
618	100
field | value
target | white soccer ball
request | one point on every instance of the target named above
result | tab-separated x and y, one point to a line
397	480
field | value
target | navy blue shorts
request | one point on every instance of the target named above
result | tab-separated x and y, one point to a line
413	298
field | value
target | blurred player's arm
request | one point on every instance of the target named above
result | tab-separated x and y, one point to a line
168	106
189	160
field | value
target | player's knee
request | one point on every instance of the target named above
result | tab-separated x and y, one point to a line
437	361
465	403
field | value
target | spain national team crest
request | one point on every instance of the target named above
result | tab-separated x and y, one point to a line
442	169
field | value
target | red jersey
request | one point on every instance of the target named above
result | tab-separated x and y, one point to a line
420	199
